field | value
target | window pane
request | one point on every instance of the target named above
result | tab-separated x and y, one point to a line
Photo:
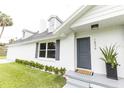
42	53
42	46
51	54
51	45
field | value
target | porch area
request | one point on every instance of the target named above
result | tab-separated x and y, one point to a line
77	80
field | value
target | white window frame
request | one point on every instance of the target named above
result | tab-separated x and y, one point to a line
46	50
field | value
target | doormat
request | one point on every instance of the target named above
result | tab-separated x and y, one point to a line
84	71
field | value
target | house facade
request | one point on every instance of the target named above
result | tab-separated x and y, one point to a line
76	42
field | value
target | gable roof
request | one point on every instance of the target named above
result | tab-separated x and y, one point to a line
34	37
54	16
26	30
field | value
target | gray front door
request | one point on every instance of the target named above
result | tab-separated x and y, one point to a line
83	53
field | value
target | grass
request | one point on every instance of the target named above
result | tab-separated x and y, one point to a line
2	57
14	75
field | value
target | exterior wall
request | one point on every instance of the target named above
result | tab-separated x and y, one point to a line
53	24
57	24
27	52
21	51
66	54
101	38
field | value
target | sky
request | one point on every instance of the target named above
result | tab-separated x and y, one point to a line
33	14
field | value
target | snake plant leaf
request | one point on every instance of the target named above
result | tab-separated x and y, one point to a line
109	55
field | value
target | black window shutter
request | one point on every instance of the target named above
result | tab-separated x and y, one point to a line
36	51
57	53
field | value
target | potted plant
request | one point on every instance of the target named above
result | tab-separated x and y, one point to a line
110	58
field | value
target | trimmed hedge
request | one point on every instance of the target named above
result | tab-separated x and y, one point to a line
56	70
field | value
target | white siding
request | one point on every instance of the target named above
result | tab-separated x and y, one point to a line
27	52
23	51
105	37
53	24
66	54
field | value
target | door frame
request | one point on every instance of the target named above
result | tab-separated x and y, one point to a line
76	67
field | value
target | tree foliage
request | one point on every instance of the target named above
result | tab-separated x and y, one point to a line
5	21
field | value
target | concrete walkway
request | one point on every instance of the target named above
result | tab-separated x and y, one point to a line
6	61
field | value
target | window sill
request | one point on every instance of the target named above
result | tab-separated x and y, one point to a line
46	59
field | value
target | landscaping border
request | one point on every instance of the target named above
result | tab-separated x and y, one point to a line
59	71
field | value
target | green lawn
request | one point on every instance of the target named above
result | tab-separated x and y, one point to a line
14	75
2	57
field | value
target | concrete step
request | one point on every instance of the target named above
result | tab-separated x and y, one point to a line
84	81
77	83
96	86
70	86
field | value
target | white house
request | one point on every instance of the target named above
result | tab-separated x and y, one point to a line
75	43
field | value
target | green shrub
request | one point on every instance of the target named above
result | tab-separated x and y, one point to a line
50	68
25	62
41	67
37	65
17	60
56	70
62	71
28	63
32	63
46	68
